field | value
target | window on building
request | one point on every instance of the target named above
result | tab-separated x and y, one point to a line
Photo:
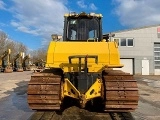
157	67
157	55
157	58
157	62
128	42
156	49
123	42
157	45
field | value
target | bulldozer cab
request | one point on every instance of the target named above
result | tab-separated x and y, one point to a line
82	27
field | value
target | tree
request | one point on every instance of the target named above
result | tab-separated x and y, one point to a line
39	54
6	43
17	47
3	41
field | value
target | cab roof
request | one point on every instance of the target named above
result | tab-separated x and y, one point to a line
83	14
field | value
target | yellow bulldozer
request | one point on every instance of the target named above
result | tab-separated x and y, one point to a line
80	71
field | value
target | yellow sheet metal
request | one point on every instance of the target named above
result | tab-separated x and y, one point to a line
59	52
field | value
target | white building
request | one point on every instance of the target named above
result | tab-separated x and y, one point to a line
140	50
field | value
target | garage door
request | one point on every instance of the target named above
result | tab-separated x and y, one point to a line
128	65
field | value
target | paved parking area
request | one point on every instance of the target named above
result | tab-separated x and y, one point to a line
149	101
13	102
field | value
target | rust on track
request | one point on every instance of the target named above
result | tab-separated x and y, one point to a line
44	91
121	91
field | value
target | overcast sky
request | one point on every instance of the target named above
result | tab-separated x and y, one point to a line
33	21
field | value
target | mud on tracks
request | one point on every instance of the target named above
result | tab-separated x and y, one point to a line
75	113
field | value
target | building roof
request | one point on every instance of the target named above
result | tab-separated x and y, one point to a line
133	29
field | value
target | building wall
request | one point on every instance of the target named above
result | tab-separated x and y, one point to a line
143	46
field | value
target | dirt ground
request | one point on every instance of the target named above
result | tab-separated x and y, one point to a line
13	103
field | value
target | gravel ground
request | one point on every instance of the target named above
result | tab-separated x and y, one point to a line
13	104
